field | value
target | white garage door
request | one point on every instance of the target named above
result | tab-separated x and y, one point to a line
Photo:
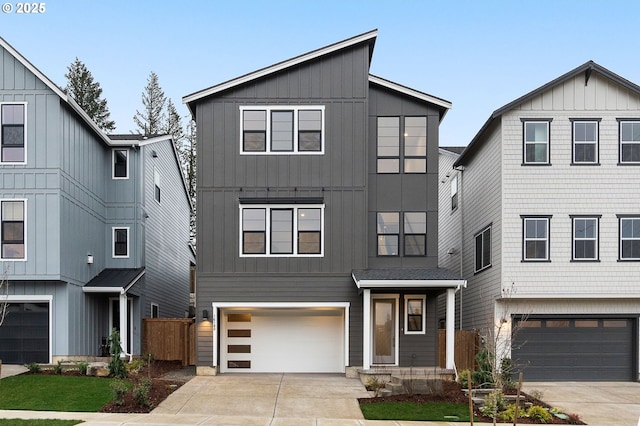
282	340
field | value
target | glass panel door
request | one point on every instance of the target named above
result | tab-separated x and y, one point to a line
384	338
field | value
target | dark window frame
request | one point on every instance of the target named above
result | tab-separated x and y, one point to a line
621	143
525	122
120	248
5	129
621	240
19	227
596	239
483	235
596	143
406	234
120	169
382	236
547	239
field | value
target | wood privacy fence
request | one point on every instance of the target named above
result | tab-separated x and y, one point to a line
170	339
467	345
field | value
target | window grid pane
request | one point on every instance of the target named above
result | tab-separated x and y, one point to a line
12	229
388	225
630	142
630	238
585	142
310	130
120	163
535	239
536	142
483	250
281	130
415	313
12	133
585	239
120	242
282	231
388	144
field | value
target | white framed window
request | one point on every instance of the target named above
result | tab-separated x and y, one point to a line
454	193
120	163
629	238
281	230
388	226
120	243
13	133
155	310
282	130
156	184
536	142
629	142
585	238
483	249
415	314
14	229
585	141
535	238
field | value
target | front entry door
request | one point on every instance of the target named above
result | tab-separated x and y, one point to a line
384	331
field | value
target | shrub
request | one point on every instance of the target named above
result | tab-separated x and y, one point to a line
33	367
58	368
509	414
116	365
119	389
482	376
507	369
135	366
538	413
463	379
141	392
82	367
494	402
375	384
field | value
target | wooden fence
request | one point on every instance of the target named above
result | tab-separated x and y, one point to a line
467	344
170	339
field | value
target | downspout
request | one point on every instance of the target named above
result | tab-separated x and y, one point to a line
461	204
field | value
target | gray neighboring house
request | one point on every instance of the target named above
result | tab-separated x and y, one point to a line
317	218
95	229
546	227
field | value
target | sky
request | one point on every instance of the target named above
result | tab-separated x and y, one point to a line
479	55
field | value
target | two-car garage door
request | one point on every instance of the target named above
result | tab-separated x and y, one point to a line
282	340
575	349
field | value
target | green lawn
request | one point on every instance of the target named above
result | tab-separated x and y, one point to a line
54	393
38	422
431	411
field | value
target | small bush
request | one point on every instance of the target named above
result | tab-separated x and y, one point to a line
116	365
375	384
141	392
509	414
463	379
495	400
58	368
574	418
82	367
33	367
538	413
507	368
119	389
135	366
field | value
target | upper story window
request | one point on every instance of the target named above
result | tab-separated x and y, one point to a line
454	193
585	238
282	130
535	238
414	145
388	225
13	135
483	249
13	229
120	163
156	184
155	310
120	242
415	318
414	233
585	142
536	142
629	238
281	230
629	142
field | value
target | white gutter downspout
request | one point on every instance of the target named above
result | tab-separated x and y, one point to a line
124	325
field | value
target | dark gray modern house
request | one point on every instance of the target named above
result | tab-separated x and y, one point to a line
318	218
94	228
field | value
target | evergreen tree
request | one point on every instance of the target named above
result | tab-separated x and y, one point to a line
87	93
151	121
189	162
173	125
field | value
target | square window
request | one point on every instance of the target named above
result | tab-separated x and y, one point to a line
536	142
536	239
585	142
415	318
12	134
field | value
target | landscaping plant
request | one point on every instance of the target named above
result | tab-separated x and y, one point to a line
117	366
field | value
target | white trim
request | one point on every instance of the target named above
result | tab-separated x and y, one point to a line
113	242
526	239
113	163
408	91
450	330
24	219
8	163
423	298
279	66
366	329
36	298
396	298
410	283
157	309
156	183
102	289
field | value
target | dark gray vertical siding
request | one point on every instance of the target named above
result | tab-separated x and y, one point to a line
419	349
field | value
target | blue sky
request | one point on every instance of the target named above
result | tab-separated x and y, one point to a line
479	55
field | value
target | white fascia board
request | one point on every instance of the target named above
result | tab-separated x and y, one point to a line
573	296
154	140
410	283
280	305
26	298
408	91
118	290
279	66
134	281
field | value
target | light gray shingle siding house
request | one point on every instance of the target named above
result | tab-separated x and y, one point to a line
86	246
317	218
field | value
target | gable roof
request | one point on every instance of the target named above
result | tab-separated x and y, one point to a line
587	68
368	37
443	105
57	90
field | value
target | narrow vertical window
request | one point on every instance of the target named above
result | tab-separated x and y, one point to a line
309	231
388	145
585	142
120	242
536	142
415	234
282	231
12	136
630	142
254	131
254	229
483	249
282	131
415	318
415	144
585	238
536	238
388	233
155	310
454	193
120	163
630	238
156	184
13	230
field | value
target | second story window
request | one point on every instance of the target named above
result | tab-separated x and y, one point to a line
120	163
156	184
454	193
483	249
535	238
415	144
585	142
629	238
585	238
13	133
13	229
282	130
536	142
388	225
630	142
415	234
388	145
120	242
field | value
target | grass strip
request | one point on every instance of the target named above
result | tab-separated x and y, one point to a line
411	411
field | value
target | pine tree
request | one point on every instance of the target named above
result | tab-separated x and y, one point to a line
151	121
87	93
189	161
173	125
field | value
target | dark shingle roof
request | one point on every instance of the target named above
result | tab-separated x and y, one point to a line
454	149
405	274
115	278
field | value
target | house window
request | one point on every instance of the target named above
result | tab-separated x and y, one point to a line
388	233
120	242
536	142
281	230
13	230
156	184
13	134
120	163
415	318
585	142
155	310
415	144
282	130
629	238
454	193
585	238
536	238
629	142
483	249
388	144
415	234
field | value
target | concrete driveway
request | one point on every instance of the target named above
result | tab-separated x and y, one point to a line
597	403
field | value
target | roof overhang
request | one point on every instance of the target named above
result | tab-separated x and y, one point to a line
121	284
435	278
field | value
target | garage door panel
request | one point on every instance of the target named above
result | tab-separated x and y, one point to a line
24	335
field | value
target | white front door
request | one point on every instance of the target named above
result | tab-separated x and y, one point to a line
384	331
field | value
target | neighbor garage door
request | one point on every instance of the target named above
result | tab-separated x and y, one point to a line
24	334
575	349
283	340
